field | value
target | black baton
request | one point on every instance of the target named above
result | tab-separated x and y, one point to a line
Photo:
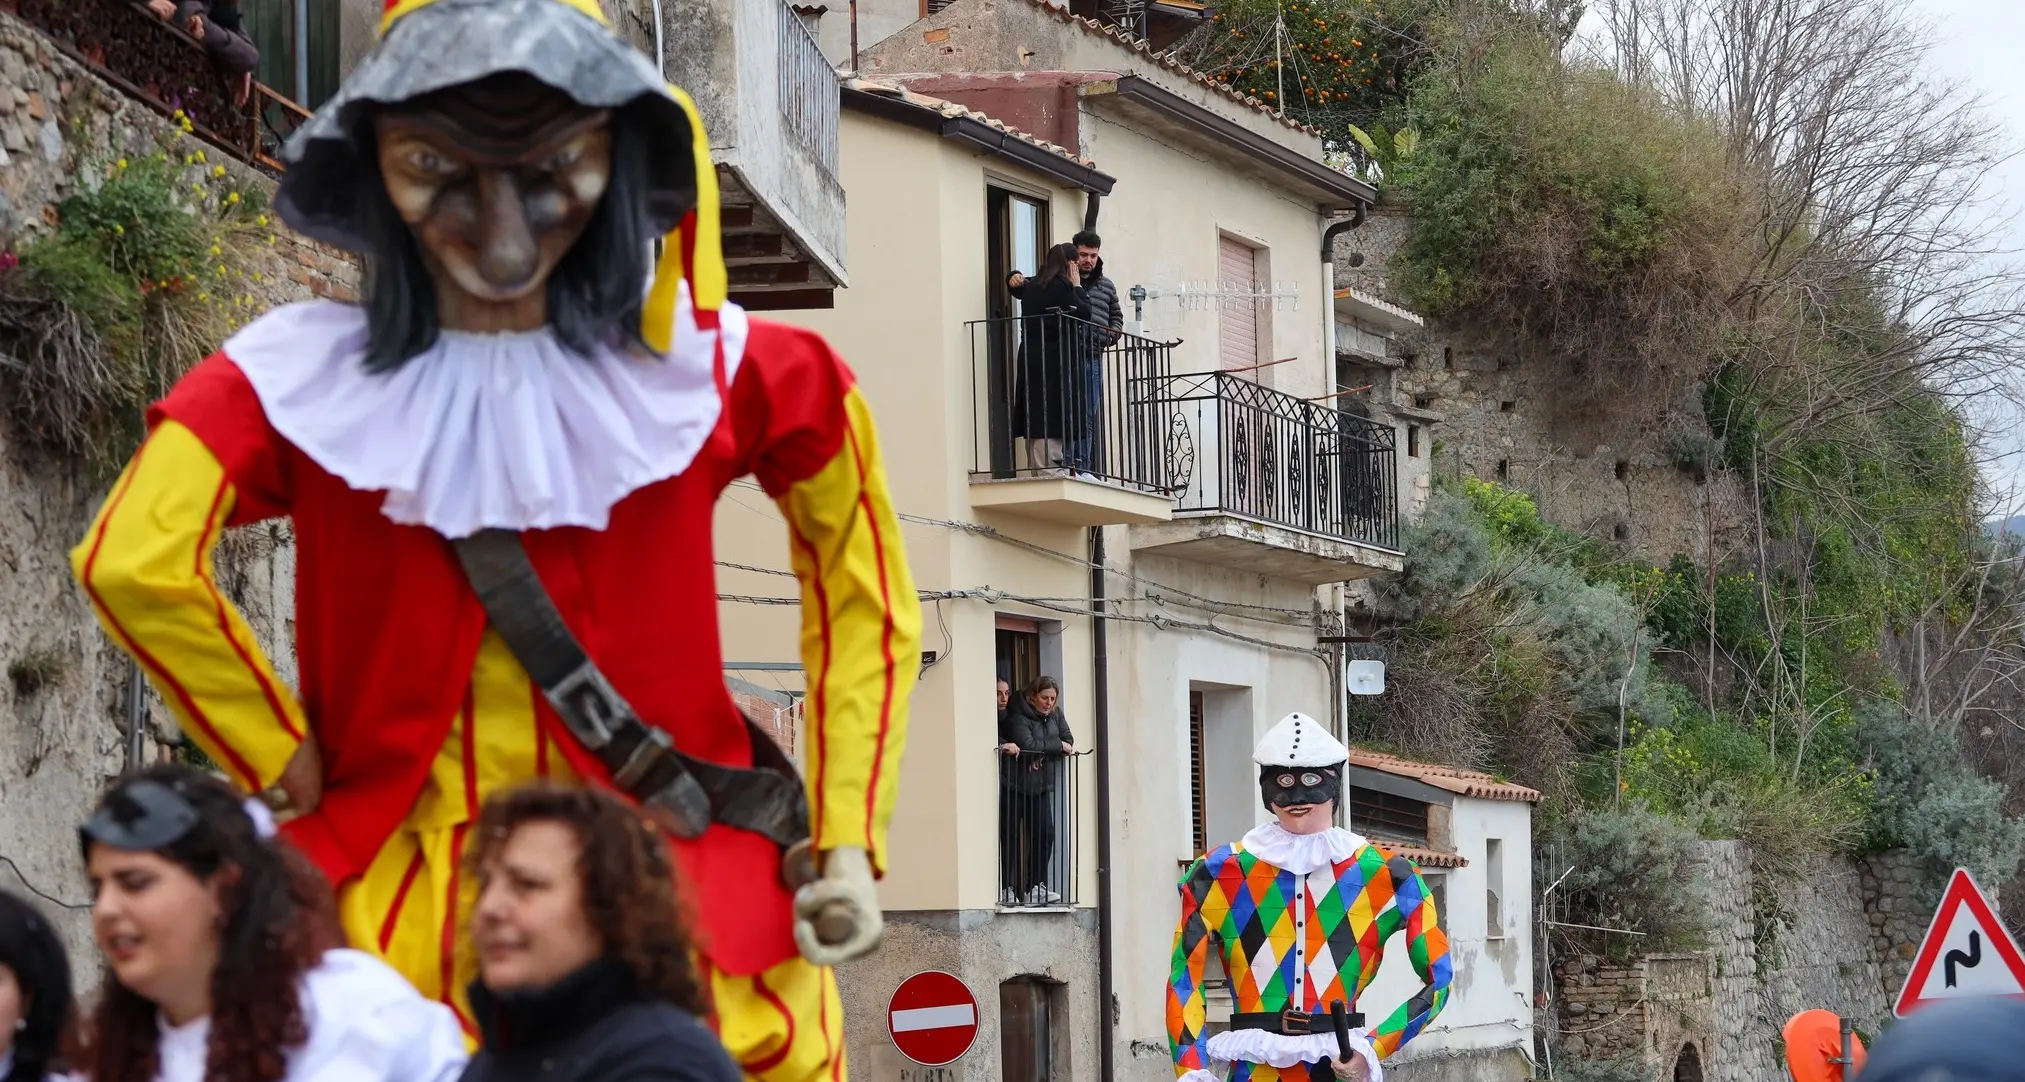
1339	1017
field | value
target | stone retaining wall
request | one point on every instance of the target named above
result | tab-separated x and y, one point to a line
62	733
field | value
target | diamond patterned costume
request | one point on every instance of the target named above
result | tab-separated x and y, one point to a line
1297	941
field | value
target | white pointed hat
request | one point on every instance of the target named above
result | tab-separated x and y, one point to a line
1299	740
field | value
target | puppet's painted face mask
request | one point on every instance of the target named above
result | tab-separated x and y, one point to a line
496	179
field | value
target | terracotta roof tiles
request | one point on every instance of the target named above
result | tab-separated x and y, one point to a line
1469	783
952	110
1426	858
1169	63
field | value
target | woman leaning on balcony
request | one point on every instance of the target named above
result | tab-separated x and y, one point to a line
216	25
1049	359
1036	738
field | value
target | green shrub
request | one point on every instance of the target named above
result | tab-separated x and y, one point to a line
1557	199
1631	869
143	276
1929	800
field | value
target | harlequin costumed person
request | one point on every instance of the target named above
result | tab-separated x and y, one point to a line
501	468
1300	912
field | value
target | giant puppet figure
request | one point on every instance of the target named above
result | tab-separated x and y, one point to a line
1299	913
501	468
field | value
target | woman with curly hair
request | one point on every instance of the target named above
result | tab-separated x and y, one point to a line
584	970
35	1003
222	953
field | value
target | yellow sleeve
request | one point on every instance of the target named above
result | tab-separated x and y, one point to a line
146	565
861	638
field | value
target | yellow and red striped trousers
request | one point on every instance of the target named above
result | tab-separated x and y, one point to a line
412	906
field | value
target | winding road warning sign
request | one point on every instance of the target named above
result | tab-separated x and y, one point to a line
1967	952
932	1018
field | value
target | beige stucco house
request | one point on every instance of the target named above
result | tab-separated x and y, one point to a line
1231	507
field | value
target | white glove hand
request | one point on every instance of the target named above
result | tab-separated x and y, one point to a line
846	878
1198	1076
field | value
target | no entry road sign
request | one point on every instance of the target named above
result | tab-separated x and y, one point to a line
932	1018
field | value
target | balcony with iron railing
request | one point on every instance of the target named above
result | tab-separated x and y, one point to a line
159	65
770	102
1267	482
1081	425
1037	828
1068	421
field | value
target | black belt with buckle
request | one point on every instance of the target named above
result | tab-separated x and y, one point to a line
1290	1022
767	799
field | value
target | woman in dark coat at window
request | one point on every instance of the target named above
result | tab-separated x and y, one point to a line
1053	312
1036	737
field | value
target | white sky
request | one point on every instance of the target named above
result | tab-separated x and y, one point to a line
1982	43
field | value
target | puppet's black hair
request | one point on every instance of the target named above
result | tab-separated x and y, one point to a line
596	291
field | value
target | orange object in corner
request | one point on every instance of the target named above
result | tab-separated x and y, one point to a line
1814	1044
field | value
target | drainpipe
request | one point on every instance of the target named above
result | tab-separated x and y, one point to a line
660	51
1101	722
137	719
301	53
854	39
1338	687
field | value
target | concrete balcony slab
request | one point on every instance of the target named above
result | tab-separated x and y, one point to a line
1070	500
1276	551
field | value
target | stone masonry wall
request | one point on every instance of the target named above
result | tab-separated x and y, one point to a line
1821	953
1900	891
1729	999
61	734
1606	463
1600	1008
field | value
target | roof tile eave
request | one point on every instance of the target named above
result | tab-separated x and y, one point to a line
1168	63
954	110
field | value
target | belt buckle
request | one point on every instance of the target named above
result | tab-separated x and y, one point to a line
1295	1023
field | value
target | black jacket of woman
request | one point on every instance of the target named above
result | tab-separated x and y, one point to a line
1054	336
592	1026
1040	733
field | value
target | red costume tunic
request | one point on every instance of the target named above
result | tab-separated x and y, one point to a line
418	710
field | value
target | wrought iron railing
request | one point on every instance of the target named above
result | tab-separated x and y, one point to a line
1235	447
808	88
1056	395
1036	828
279	117
160	65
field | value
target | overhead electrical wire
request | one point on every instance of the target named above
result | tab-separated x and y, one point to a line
1158	592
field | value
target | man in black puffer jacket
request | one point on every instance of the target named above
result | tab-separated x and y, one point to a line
1083	450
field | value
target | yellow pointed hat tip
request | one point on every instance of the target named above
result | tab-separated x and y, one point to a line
398	8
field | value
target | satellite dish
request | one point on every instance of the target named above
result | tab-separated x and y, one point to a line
1365	677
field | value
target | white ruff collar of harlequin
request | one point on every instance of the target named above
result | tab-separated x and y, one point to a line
1301	853
507	431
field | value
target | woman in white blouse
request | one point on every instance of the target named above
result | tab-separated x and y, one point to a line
222	953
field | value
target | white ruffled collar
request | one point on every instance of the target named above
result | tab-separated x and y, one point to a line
509	431
1301	853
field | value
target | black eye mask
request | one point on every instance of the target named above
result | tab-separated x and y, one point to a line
1286	786
141	817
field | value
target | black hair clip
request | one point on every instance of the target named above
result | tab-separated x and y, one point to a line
138	817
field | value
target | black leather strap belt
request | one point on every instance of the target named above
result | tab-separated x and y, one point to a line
767	799
1290	1022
